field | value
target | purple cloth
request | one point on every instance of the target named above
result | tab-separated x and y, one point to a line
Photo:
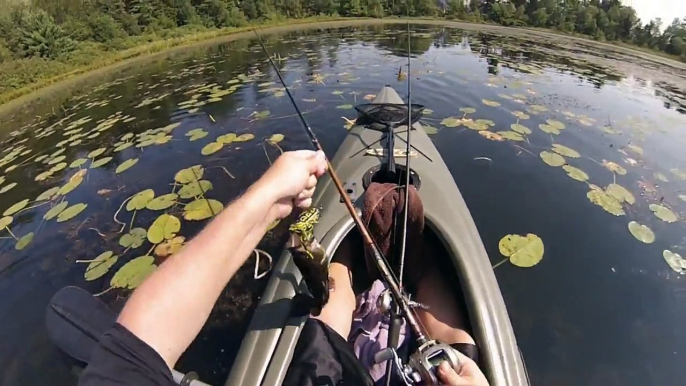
369	333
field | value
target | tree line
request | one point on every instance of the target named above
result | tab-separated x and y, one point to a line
48	36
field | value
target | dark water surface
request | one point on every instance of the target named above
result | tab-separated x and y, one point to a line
601	308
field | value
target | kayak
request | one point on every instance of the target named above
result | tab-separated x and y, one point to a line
267	348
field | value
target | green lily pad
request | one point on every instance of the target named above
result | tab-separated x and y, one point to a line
211	148
552	159
521	115
675	261
16	207
538	108
202	209
227	138
549	129
428	129
96	152
55	210
71	212
126	136
641	232
8	187
452	122
58	167
468	110
169	247
57	160
49	194
620	193
663	213
276	138
345	107
565	151
164	227
521	129
99	266
490	103
576	173
132	274
635	149
194	189
678	173
523	251
24	241
198	136
485	122
244	137
476	126
613	167
605	201
78	162
73	183
126	165
5	221
556	124
190	174
682	197
100	162
337	92
140	200
123	146
262	114
511	135
134	239
162	202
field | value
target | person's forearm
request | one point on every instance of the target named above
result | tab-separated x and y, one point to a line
171	306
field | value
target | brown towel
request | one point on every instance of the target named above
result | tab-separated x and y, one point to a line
384	202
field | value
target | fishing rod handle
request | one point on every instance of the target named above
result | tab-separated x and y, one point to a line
190	379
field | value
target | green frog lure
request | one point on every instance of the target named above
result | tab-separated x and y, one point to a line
310	258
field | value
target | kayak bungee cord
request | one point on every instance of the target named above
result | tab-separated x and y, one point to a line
379	259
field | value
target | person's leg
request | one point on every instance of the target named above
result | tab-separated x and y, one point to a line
338	312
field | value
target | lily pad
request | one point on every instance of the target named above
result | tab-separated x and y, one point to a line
132	274
8	187
276	138
49	194
468	110
123	146
511	135
71	212
73	183
678	173
521	115
620	193
661	177
552	159
100	162
613	167
227	138
556	124
196	135
57	160
58	167
490	103
99	266
682	197
635	149
473	125
244	137
565	151
140	200
345	107
190	174
5	221
126	165
162	202
16	207
491	135
78	162
134	239
261	114
641	232
521	129
202	209
538	108
96	152
452	122
169	247
663	213
337	92
24	241
605	201
194	189
523	251
549	129
211	148
164	227
576	173
428	129
675	261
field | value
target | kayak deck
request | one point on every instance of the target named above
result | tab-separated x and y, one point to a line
267	348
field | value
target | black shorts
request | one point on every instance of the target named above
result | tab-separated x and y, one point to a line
323	357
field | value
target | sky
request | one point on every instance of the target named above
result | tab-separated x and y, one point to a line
648	10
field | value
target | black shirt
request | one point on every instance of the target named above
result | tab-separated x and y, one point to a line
121	358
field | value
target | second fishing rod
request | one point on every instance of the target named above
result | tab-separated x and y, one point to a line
379	259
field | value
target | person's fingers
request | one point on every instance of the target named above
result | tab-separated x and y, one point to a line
307	193
303	203
311	182
449	376
303	153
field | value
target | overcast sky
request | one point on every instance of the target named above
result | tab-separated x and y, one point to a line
648	10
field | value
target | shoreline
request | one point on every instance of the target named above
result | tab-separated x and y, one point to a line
40	91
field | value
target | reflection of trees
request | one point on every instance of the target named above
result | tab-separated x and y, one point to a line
397	45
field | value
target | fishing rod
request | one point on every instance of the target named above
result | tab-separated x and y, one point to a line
401	301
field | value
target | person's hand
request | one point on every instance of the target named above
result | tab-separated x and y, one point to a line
467	373
291	180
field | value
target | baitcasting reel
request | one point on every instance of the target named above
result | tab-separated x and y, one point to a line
423	365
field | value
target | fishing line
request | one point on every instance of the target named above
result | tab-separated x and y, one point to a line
408	148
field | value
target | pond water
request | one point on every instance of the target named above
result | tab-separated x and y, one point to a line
601	307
